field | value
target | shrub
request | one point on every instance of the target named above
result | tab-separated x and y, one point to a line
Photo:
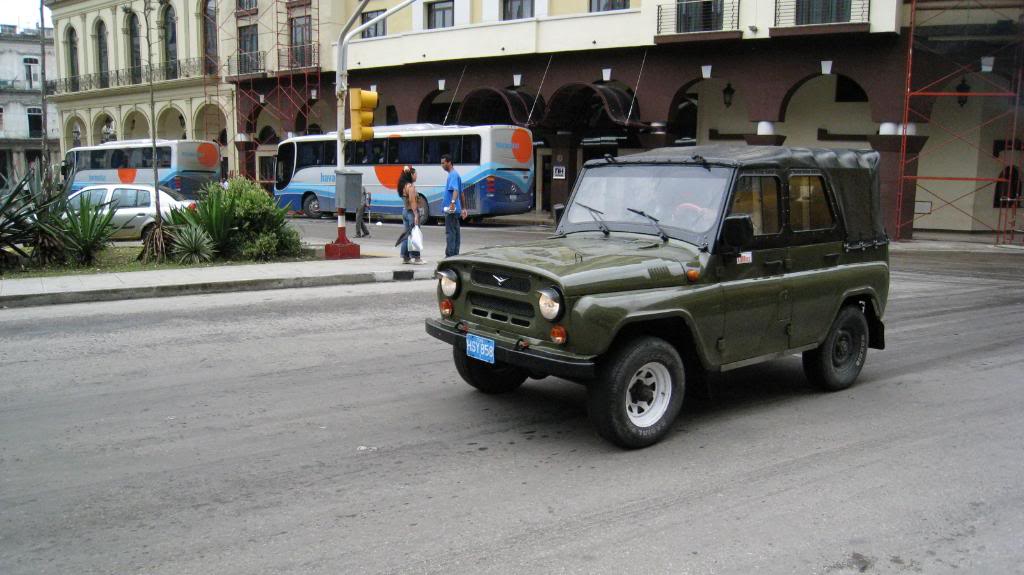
87	230
215	213
261	248
191	244
289	243
16	222
48	241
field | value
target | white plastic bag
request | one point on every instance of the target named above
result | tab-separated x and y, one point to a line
415	240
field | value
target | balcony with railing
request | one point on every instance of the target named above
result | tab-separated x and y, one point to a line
247	64
798	17
173	70
298	57
698	20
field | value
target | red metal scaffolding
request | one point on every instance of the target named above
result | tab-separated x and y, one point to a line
943	46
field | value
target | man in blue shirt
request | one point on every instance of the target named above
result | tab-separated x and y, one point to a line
453	209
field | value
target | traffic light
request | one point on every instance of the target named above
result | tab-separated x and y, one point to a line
362	105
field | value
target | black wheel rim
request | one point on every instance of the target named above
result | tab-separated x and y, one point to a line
844	348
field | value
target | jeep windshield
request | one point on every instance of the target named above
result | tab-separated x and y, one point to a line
685	199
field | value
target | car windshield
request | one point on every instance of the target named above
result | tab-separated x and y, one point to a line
175	194
684	198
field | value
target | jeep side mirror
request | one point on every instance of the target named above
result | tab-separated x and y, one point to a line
738	231
559	209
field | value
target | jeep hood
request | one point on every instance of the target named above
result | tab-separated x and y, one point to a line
586	263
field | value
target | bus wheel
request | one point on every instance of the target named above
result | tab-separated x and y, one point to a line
423	207
311	206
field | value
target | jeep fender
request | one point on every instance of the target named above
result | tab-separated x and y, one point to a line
873	311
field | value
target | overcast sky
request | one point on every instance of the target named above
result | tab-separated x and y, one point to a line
23	13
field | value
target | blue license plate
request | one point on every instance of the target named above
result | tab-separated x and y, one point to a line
480	348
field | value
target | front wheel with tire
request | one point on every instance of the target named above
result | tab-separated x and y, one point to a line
311	206
836	363
488	378
638	394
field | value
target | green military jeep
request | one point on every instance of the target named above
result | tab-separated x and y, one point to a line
673	263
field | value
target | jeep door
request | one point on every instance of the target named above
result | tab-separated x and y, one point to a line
815	251
757	303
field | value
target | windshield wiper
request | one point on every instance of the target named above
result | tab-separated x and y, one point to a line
596	214
654	220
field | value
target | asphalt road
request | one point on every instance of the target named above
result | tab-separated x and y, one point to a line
321	431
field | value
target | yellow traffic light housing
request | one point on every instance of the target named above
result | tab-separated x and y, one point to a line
361	106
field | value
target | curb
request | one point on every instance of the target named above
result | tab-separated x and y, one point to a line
172	290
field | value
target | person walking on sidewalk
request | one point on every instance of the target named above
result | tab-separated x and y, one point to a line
364	202
453	209
410	213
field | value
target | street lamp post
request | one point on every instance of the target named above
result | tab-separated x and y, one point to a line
153	246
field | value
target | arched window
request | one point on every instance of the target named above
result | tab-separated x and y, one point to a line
170	24
72	42
102	57
134	49
210	36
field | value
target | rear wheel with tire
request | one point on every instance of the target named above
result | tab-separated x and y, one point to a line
639	393
488	378
836	363
311	206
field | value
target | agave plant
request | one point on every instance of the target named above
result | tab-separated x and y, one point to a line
48	242
87	229
215	213
16	221
191	244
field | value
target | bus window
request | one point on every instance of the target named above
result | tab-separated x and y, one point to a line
310	154
330	153
470	149
405	150
118	160
362	153
437	146
285	164
163	156
98	160
379	148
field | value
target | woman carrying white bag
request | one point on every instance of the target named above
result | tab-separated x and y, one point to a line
412	238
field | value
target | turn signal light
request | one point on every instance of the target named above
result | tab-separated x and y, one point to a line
693	274
558	334
447	309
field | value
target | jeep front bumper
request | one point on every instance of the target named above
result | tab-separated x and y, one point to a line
505	351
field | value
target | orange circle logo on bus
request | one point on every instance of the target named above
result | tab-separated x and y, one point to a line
127	175
388	175
207	154
522	145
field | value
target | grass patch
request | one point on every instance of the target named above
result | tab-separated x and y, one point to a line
120	259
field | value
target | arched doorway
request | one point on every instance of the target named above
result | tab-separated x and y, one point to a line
488	106
104	129
135	126
269	132
439	107
171	125
211	124
827	111
316	117
74	133
707	112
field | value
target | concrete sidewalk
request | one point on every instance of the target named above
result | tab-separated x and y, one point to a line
251	277
215	279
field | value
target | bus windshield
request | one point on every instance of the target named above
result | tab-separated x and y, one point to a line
285	164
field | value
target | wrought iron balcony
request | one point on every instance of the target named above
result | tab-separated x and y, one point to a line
296	57
819	12
246	63
173	70
686	16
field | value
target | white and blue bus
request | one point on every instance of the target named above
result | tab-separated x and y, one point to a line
495	162
182	165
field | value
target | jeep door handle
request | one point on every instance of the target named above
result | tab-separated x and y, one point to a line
773	265
831	259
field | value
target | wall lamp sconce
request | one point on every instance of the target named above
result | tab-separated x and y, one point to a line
373	87
727	93
987	63
963	88
314	94
826	67
517	80
606	74
263	99
440	85
705	71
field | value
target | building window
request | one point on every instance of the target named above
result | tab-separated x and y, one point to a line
170	30
516	9
135	49
248	50
102	55
31	75
73	58
247	4
1	118
301	42
35	122
606	5
441	14
210	36
377	30
822	11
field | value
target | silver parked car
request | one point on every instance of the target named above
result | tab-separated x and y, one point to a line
133	205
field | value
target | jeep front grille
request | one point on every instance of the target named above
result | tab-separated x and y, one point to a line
501	280
501	309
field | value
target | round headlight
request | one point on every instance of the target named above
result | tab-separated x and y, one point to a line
550	303
449	281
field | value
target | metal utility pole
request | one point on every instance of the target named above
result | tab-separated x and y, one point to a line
44	162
